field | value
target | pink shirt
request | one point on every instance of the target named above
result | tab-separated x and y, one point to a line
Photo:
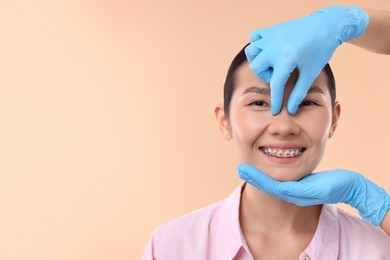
214	232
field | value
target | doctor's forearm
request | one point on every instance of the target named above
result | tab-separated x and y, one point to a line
386	223
377	36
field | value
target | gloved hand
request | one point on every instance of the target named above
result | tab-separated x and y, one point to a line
328	187
307	44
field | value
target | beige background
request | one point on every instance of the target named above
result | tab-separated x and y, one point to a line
107	126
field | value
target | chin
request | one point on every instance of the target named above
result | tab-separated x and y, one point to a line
286	174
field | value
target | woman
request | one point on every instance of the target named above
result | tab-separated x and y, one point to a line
307	44
250	224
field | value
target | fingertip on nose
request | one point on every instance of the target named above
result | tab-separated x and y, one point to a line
292	108
275	108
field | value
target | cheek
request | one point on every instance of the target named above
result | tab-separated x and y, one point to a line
246	126
317	125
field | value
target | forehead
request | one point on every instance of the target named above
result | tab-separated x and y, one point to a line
244	78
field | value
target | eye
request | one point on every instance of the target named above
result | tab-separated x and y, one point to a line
308	103
259	103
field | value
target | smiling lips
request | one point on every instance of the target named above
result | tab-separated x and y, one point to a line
282	152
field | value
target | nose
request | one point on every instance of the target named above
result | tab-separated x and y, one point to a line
284	124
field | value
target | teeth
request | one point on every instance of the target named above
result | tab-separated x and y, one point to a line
281	153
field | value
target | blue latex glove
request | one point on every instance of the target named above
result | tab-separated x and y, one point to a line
328	187
307	44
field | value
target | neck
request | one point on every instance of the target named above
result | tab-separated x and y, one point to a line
260	212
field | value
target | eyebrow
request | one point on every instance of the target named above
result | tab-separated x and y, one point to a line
315	89
265	91
259	90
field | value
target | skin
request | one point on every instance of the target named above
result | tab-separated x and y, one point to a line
266	221
377	36
252	126
386	223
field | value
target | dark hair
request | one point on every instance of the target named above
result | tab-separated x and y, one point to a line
240	58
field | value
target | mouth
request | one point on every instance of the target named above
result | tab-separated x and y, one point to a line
282	152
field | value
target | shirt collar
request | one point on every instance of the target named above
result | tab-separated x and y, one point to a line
324	245
229	236
325	242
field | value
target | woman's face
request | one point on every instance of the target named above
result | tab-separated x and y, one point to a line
286	147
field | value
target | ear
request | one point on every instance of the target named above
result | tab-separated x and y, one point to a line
335	118
223	122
